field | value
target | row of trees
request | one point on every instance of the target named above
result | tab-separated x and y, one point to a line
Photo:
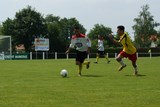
29	24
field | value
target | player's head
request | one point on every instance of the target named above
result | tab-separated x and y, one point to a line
120	30
77	30
76	27
100	37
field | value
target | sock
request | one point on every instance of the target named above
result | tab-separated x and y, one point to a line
136	68
106	58
85	62
97	58
122	63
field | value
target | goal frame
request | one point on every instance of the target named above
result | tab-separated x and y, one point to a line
10	43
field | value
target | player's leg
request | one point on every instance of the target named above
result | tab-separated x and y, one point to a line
86	62
120	61
79	61
79	67
133	58
97	58
106	57
135	68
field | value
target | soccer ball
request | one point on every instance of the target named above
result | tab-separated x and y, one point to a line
64	73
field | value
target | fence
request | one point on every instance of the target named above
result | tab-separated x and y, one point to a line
56	55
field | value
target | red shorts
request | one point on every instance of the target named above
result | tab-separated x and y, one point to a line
132	57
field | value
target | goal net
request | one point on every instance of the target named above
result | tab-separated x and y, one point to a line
5	47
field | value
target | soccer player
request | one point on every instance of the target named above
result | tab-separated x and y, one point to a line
100	48
82	44
129	51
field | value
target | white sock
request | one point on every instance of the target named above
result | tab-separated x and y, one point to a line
122	63
136	68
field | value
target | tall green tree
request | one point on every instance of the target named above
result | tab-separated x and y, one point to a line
144	27
27	25
99	29
53	31
8	27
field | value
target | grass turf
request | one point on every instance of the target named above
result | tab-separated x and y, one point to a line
37	83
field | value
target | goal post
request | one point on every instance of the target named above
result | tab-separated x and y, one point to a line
5	46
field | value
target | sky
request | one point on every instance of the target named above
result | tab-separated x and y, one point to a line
110	13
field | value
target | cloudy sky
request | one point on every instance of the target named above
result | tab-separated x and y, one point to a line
88	12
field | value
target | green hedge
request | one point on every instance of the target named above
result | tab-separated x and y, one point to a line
118	49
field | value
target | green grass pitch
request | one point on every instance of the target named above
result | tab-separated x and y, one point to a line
37	83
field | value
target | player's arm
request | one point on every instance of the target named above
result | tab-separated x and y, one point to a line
98	45
68	50
72	44
114	40
89	45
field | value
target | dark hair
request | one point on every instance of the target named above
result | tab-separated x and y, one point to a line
121	27
76	27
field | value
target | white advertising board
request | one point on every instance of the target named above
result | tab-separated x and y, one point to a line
41	44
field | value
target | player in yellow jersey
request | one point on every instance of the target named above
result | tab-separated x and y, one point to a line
129	51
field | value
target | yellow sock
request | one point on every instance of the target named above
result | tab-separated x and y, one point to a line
97	58
85	62
106	58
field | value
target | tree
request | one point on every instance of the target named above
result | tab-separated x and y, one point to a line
8	27
144	27
53	31
27	25
99	29
59	32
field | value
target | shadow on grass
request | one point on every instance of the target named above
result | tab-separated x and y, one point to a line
92	76
139	75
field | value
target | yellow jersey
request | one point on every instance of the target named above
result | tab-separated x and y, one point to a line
127	44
